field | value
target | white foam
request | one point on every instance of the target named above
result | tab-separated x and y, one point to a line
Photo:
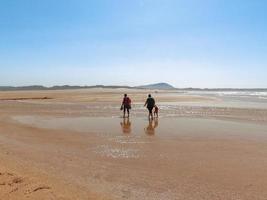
233	93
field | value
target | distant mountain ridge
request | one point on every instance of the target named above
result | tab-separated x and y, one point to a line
162	86
157	86
57	87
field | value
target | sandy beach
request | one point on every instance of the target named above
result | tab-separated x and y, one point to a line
74	144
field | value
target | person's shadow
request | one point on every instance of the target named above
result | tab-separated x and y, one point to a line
151	127
126	126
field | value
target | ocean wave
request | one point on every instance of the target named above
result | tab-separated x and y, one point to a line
235	93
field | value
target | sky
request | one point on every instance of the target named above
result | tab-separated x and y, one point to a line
187	43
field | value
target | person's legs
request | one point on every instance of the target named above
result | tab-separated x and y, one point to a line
124	111
150	113
128	111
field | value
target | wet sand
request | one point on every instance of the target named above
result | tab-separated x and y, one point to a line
74	145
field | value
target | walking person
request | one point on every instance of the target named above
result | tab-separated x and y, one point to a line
150	103
126	105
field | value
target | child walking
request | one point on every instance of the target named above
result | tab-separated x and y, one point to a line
156	111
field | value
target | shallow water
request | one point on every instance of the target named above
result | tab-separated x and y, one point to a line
161	127
162	159
233	99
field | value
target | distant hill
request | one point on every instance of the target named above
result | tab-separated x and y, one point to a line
158	86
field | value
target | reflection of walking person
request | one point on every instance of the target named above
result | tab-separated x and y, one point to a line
126	105
152	125
126	126
150	103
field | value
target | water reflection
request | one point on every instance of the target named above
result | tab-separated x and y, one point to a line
151	127
126	126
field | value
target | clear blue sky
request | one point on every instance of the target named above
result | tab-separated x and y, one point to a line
188	43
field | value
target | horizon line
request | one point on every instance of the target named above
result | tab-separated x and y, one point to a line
125	86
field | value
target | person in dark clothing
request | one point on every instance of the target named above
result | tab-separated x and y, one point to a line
126	105
150	103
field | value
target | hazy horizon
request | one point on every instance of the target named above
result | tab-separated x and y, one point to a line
200	44
133	86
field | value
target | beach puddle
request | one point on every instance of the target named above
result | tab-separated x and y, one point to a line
103	126
133	130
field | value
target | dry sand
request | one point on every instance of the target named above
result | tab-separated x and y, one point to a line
74	145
